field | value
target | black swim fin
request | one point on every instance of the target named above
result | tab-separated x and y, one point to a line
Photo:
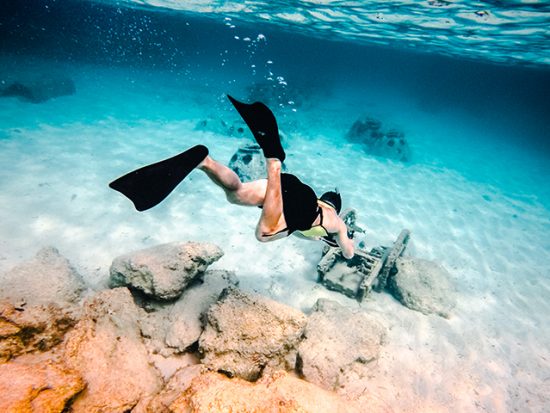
263	125
149	185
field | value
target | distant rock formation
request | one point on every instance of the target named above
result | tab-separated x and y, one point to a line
163	271
388	143
249	163
40	89
423	286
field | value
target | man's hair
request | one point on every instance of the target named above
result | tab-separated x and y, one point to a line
333	198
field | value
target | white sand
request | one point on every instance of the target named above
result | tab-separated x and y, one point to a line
492	355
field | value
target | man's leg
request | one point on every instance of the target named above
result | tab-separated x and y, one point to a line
249	193
272	219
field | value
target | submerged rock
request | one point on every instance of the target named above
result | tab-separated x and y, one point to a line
107	350
176	386
423	286
249	163
46	278
163	271
38	303
376	140
247	333
338	339
39	89
277	392
177	326
37	387
32	328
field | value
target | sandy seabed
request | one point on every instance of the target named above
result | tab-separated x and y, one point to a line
493	354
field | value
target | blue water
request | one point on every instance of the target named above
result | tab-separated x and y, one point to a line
466	82
494	119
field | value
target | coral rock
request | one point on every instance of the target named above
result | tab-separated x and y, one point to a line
163	271
32	328
247	333
423	286
179	382
338	339
37	387
47	278
174	327
277	393
106	348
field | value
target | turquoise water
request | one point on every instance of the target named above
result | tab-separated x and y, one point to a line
466	82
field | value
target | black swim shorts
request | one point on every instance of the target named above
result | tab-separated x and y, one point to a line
299	203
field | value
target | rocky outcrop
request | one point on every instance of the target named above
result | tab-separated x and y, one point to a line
114	353
376	140
39	89
276	392
175	327
163	271
423	286
246	334
179	382
338	339
47	278
38	303
37	387
107	350
32	328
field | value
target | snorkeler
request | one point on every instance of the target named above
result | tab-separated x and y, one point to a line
288	205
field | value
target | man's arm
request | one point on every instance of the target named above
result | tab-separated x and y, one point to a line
346	244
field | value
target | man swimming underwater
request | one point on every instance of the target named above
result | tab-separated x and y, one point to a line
288	205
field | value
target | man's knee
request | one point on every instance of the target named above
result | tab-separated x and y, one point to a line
233	197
